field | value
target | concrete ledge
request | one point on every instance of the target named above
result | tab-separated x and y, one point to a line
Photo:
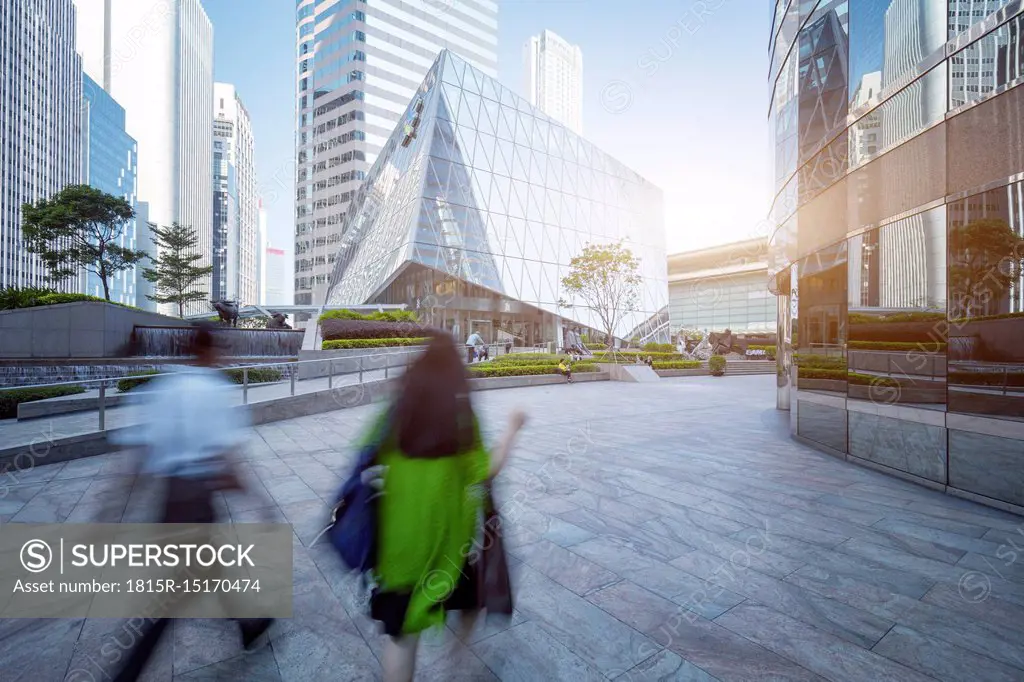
670	373
348	360
490	383
65	405
629	372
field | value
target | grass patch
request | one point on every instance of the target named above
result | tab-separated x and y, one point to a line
135	379
11	398
341	344
13	298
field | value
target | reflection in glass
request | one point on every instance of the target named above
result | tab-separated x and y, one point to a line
897	312
824	47
986	307
987	64
965	13
889	38
819	332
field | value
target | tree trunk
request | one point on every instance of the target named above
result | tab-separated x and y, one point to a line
106	287
181	310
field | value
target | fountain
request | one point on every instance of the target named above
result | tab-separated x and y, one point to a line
172	342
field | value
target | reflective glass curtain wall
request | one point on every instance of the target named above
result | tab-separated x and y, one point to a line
898	249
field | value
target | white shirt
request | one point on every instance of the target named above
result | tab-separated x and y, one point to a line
474	340
188	419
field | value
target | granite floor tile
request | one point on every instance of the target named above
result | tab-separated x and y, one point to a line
662	547
568	568
665	666
527	653
712	648
941	538
980	606
36	650
814	649
843	588
564	533
942	660
1008	563
877	574
931	569
707	521
593	635
1001	644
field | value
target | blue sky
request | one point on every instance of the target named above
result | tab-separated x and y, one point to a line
675	90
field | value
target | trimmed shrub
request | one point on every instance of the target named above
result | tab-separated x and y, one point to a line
818	373
659	348
678	364
136	378
527	359
716	365
595	346
923	346
334	329
629	356
861	318
819	362
378	316
871	380
12	298
982	318
10	399
257	375
1015	379
340	344
492	370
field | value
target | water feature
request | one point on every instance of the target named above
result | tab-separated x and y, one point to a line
172	342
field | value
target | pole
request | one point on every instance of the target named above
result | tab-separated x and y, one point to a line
245	385
103	406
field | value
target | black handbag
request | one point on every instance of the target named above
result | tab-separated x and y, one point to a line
495	585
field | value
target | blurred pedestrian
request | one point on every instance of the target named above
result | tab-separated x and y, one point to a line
473	345
189	439
435	465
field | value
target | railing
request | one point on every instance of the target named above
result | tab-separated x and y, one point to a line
369	366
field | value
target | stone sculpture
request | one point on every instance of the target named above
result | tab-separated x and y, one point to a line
228	311
278	322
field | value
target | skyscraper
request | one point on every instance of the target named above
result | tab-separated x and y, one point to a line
40	141
358	66
261	268
235	203
276	275
554	78
109	163
155	57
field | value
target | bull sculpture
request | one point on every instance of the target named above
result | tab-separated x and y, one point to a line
278	322
228	311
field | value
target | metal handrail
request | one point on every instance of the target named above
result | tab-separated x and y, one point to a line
245	368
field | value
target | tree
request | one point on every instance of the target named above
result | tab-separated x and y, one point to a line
608	279
986	258
175	270
78	228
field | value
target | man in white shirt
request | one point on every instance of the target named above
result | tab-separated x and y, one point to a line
473	343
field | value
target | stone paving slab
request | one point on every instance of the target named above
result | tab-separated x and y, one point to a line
668	531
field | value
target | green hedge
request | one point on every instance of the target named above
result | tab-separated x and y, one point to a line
803	360
678	364
340	344
528	359
872	380
922	346
982	318
10	399
493	370
659	348
861	318
12	298
596	346
631	356
716	365
770	350
136	378
819	373
257	375
388	316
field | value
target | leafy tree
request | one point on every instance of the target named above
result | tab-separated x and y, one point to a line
607	277
175	270
986	258
80	227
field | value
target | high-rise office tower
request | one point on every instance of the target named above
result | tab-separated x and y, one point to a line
554	78
40	141
235	202
109	163
155	57
261	268
358	64
275	275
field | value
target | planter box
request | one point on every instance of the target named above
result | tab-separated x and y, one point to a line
489	383
348	360
86	329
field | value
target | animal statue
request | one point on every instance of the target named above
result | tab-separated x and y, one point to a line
278	322
703	350
228	311
721	344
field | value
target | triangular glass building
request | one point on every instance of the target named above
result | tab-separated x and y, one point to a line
475	207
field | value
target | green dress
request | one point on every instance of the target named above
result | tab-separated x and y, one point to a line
427	523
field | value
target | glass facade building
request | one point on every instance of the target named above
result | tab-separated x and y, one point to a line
898	135
477	204
109	163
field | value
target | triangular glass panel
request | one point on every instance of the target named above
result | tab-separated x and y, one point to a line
488	90
506	124
489	116
473	103
502	160
536	170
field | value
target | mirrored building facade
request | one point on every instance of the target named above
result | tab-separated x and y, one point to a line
898	134
475	208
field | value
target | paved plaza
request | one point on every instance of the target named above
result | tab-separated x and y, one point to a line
663	531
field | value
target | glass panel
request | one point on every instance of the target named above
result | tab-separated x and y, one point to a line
897	312
965	13
820	328
986	306
987	64
823	79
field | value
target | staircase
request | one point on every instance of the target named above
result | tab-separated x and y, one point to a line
741	367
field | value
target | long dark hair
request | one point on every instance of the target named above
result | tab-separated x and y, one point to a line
433	416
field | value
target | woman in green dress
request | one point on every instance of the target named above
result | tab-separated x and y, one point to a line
435	466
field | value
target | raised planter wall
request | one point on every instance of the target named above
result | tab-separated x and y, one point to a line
85	329
349	360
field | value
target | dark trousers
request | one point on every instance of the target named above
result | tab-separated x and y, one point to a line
187	501
469	353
